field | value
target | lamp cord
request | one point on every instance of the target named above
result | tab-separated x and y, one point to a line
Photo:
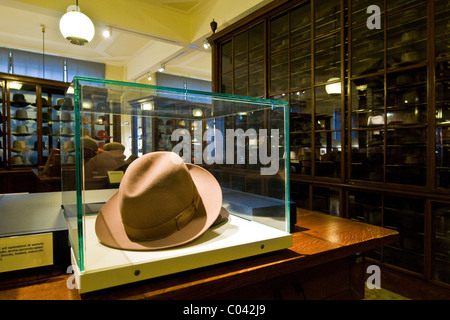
43	51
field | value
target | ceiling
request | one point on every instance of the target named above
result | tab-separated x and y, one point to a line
145	33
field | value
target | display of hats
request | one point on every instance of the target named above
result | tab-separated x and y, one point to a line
65	117
58	104
186	200
68	146
408	37
36	145
46	117
19	100
102	135
66	132
19	146
67	104
21	130
44	102
410	56
21	114
17	160
47	131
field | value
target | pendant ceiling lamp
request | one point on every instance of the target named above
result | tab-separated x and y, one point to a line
76	26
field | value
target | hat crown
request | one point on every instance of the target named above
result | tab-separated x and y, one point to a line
19	144
155	191
21	114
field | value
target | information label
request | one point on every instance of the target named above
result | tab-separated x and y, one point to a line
23	252
115	176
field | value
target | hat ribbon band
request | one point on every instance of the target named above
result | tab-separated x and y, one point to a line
175	224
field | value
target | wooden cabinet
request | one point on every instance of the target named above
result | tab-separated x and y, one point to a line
29	127
30	119
378	148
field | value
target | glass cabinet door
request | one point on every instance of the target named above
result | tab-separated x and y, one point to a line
368	132
227	68
279	54
301	132
441	242
23	118
242	63
406	34
443	125
406	215
406	120
442	28
327	134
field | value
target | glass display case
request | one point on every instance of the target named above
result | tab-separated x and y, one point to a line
240	142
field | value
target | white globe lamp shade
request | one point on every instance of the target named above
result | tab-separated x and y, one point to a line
333	88
76	26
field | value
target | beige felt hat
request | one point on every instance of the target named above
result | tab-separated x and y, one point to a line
161	203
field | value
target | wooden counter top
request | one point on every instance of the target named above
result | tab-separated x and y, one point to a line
317	240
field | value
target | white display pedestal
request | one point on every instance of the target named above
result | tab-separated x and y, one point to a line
237	238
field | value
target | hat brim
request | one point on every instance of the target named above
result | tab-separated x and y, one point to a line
111	232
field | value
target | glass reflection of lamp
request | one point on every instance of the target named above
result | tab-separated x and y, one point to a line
197	112
334	83
76	26
335	87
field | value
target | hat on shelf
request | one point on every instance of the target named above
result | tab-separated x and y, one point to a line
44	103
66	104
161	203
21	130
58	104
408	37
102	135
47	131
65	117
410	56
36	145
17	160
19	146
68	146
21	114
19	100
46	117
66	131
